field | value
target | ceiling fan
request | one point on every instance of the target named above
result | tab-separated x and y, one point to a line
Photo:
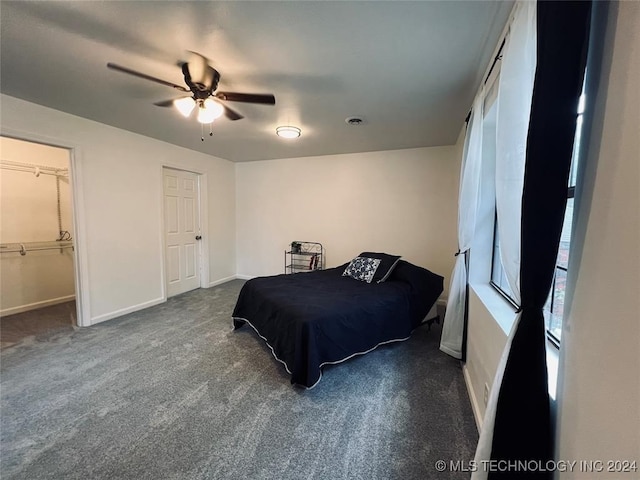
201	81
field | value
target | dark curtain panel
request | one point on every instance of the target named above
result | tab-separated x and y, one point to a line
522	430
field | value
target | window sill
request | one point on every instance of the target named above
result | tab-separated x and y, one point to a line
502	311
504	315
553	356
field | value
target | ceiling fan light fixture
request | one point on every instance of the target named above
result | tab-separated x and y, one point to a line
204	116
201	81
288	131
209	110
185	105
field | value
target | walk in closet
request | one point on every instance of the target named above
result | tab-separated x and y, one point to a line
36	240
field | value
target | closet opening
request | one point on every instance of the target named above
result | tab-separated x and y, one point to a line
37	245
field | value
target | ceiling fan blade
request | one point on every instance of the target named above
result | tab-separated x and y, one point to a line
263	98
231	114
165	103
119	68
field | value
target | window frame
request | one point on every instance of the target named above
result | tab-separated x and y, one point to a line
495	241
553	338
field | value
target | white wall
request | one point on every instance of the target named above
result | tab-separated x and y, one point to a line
486	339
119	206
402	202
29	213
599	374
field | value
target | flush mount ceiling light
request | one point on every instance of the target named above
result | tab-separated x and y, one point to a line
288	131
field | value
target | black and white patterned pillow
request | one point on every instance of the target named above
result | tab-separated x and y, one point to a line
362	268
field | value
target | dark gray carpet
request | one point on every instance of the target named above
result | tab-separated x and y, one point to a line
171	392
28	326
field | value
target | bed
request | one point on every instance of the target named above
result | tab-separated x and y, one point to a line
328	316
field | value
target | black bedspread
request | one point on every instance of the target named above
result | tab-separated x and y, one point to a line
312	319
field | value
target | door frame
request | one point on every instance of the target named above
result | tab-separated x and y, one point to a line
204	225
81	274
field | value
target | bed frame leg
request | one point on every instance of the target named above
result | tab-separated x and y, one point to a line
431	321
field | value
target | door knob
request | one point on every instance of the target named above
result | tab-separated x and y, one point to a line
198	237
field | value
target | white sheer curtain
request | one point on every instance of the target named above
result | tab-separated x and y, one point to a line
453	328
517	74
512	125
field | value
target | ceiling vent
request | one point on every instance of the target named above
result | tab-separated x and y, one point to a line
354	121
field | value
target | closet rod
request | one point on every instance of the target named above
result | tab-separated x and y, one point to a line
22	250
33	168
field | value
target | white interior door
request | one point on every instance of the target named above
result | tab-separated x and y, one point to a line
182	230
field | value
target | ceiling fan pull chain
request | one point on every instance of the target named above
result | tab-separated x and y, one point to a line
202	132
211	129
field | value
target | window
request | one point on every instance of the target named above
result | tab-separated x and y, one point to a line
498	276
554	307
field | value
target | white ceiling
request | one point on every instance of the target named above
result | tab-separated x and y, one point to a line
410	69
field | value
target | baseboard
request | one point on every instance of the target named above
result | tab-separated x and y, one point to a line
36	305
475	406
118	313
222	280
151	303
441	306
244	277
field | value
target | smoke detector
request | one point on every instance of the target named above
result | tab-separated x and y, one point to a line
355	121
